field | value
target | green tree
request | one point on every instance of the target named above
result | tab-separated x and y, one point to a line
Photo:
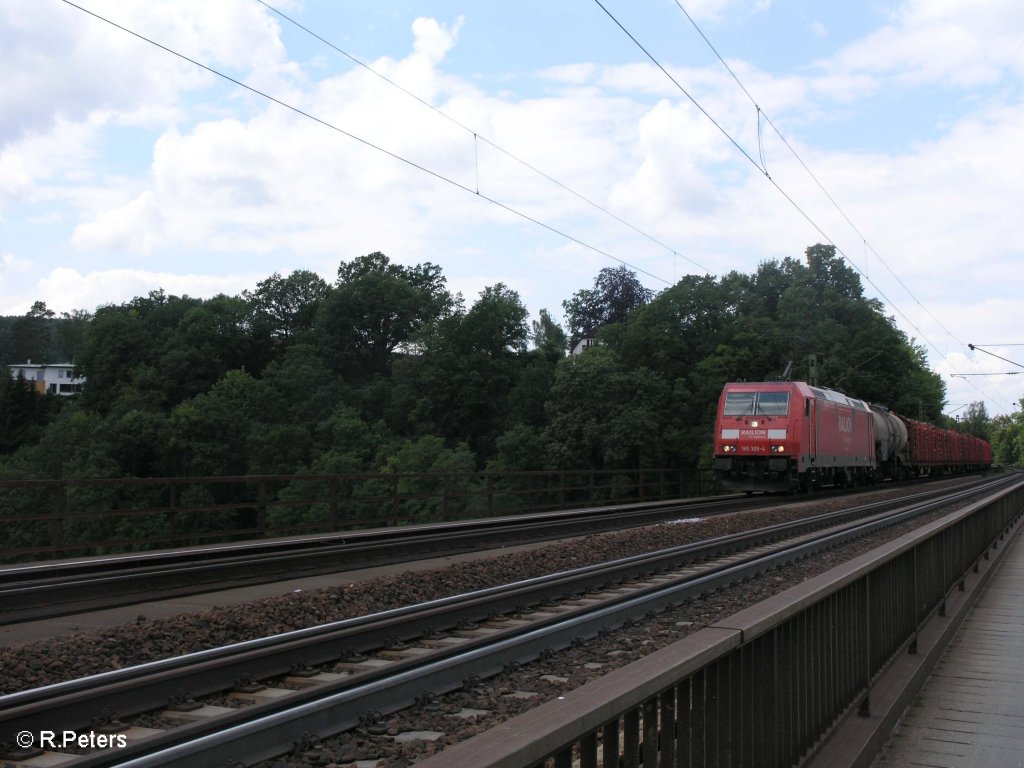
680	327
71	332
459	386
548	337
431	498
208	434
858	349
71	445
23	412
287	306
976	422
34	334
134	441
1008	437
297	389
605	416
157	351
375	308
349	443
616	293
496	323
120	347
521	448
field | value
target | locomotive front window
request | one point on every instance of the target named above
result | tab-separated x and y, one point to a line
756	403
773	403
739	403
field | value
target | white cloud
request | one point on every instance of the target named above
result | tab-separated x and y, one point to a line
69	75
65	289
570	74
433	40
232	184
976	375
100	67
12	265
943	43
134	227
713	10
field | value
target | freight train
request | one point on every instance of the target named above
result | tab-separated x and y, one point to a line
789	435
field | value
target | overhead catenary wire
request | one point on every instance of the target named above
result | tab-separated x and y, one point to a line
761	113
792	202
505	206
367	143
976	348
678	85
747	155
839	208
478	137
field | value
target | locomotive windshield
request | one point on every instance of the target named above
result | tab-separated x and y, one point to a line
756	404
773	403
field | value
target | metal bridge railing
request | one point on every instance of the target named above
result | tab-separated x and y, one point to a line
78	517
760	688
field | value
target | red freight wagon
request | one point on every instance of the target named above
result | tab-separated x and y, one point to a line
923	439
955	441
933	450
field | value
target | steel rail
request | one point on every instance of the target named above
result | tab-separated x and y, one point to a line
48	589
42	590
334	708
411	621
151	685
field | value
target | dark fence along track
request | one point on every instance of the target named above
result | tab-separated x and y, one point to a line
79	517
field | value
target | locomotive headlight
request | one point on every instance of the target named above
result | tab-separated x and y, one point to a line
754	423
778	449
729	448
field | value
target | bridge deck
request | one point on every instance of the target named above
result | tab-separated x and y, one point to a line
970	712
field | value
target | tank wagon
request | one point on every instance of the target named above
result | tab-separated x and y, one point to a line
788	435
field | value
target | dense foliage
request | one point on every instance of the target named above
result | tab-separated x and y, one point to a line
1007	435
387	370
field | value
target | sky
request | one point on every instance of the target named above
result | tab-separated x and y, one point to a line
531	143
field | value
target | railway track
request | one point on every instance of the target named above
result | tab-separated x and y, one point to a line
42	590
266	693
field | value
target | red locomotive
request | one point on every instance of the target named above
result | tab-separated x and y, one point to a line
788	435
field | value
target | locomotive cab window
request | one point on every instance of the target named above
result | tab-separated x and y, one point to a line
773	403
756	403
739	403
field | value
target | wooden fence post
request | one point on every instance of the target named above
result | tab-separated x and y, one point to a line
333	502
261	508
60	503
172	504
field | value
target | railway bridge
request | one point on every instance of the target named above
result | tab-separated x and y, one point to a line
820	675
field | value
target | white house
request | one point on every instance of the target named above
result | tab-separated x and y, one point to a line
582	345
53	377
